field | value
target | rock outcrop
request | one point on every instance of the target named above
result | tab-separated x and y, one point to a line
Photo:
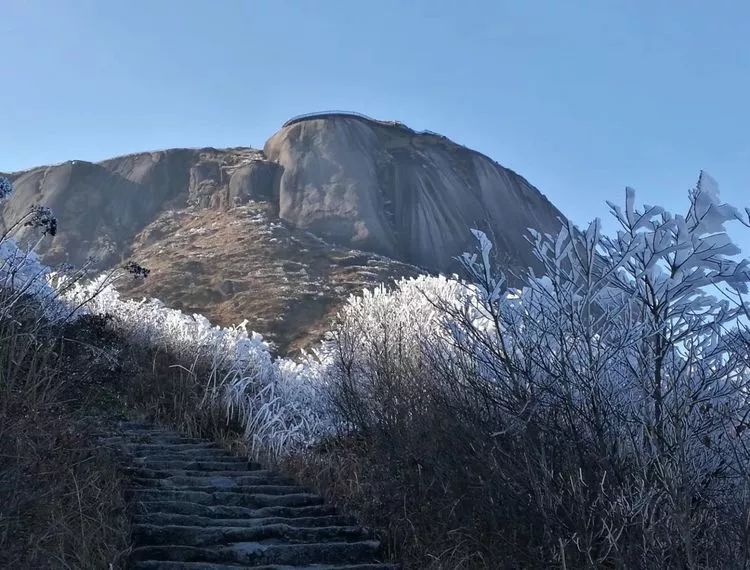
412	196
102	206
335	202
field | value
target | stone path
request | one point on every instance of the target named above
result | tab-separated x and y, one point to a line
196	506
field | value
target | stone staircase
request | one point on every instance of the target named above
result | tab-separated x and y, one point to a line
196	506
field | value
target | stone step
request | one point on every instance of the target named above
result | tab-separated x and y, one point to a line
158	447
225	498
154	429
165	438
254	553
209	456
123	431
147	472
168	519
212	456
171	447
196	506
194	465
169	454
258	489
167	565
201	536
217	512
225	482
136	425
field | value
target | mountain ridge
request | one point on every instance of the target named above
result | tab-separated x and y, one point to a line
376	192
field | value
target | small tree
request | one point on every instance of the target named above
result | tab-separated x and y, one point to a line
630	350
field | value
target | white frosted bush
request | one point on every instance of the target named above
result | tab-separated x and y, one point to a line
618	379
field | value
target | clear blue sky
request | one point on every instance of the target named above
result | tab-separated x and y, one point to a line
582	98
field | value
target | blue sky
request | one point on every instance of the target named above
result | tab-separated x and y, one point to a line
582	98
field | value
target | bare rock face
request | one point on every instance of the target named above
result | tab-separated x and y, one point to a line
412	196
101	207
334	203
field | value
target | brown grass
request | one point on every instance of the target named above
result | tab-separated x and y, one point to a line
427	514
60	494
61	505
163	390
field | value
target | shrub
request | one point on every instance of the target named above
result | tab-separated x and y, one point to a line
595	418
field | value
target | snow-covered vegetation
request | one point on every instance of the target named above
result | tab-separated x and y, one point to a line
609	394
602	407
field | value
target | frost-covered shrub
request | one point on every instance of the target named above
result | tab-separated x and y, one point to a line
278	402
42	217
380	334
23	271
601	408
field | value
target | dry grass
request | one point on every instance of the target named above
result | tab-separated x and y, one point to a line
163	390
60	495
222	264
428	513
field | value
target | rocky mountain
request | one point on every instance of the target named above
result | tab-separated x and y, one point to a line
333	202
380	186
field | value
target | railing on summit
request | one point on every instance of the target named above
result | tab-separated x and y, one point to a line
322	114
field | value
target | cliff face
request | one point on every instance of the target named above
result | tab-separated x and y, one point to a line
101	207
412	196
236	233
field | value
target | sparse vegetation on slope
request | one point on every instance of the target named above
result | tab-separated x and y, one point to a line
245	261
